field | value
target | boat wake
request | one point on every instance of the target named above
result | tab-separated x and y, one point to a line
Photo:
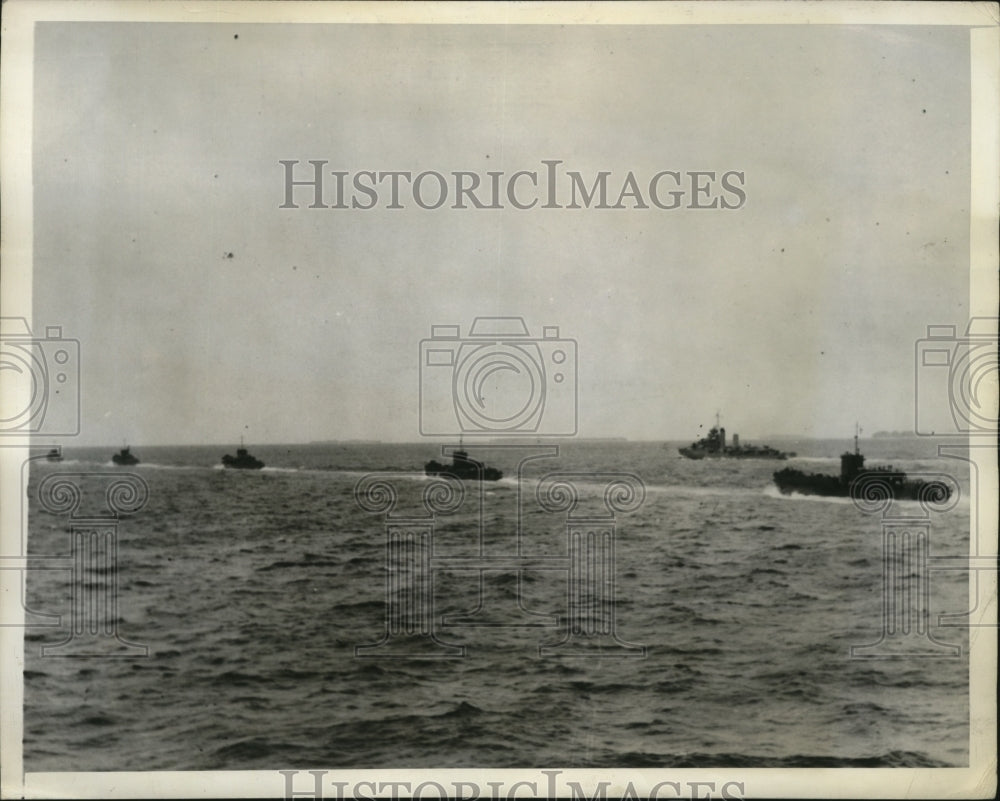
689	491
772	491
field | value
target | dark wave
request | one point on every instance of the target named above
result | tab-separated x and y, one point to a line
374	609
890	759
862	708
97	719
235	678
255	702
759	571
598	686
889	678
464	710
300	563
252	750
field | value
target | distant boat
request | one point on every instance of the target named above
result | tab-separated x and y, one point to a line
463	467
242	460
125	457
54	455
852	468
714	446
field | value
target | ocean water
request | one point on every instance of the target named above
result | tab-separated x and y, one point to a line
735	609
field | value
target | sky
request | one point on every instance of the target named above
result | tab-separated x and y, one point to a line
205	311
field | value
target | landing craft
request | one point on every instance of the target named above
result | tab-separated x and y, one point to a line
125	457
242	460
852	469
464	467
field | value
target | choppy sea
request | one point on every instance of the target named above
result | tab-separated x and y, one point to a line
734	612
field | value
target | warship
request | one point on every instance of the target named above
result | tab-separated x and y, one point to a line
242	460
714	446
464	467
125	457
852	468
54	455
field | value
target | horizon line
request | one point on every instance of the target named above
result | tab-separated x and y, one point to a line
494	441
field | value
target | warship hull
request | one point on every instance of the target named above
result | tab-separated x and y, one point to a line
242	461
464	468
715	446
124	458
898	486
731	453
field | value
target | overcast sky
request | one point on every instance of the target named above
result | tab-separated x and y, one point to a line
157	150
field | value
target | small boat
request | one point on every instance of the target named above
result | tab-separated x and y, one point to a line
54	455
714	446
242	460
852	469
464	467
125	457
